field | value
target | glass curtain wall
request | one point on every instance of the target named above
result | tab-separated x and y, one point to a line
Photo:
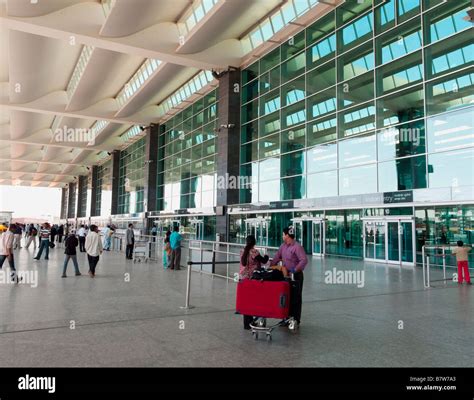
187	157
132	178
372	97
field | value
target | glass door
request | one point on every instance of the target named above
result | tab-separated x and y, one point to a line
393	245
318	238
374	240
298	227
406	241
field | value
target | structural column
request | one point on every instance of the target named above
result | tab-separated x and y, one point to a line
228	145
115	181
94	188
71	203
64	201
151	161
81	187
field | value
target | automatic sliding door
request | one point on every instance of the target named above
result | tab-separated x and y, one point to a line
318	231
393	246
406	241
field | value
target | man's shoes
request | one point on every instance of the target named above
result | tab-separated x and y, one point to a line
46	258
247	327
468	283
63	276
34	258
78	274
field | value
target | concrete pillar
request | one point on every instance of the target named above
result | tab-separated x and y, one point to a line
228	144
95	175
71	203
64	200
151	160
115	181
81	188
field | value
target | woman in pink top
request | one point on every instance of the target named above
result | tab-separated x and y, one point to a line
250	260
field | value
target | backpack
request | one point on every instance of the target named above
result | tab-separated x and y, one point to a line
268	275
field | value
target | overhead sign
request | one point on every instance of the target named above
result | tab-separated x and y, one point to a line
281	204
398	197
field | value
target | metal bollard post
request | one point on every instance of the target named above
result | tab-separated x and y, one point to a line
444	265
427	272
188	288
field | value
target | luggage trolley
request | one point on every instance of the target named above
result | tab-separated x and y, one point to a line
267	299
140	251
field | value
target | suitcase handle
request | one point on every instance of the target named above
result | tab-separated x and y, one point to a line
283	300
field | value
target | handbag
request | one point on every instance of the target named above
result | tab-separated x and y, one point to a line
268	275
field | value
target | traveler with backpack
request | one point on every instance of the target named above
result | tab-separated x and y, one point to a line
93	247
81	233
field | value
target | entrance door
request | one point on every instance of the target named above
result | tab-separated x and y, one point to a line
298	227
198	227
389	241
259	228
318	237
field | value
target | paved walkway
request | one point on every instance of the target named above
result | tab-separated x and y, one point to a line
130	315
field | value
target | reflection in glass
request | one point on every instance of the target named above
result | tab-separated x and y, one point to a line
402	174
356	151
322	185
401	140
322	157
451	131
451	169
359	180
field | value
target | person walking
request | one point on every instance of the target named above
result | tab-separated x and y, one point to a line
81	233
70	244
60	233
294	260
6	251
17	236
45	233
250	260
107	238
32	233
175	244
54	231
461	253
130	236
94	248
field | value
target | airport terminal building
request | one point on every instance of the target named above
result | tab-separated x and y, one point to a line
353	123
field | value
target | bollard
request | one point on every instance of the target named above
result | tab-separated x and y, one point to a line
188	288
444	265
427	272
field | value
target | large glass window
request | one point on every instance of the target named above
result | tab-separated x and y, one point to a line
293	67
356	62
446	20
322	158
356	151
293	139
359	180
322	103
451	169
356	91
357	120
401	140
400	107
451	131
322	130
292	188
321	77
451	92
293	164
322	185
402	174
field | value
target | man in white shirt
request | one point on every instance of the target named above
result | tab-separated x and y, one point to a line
93	248
6	250
82	238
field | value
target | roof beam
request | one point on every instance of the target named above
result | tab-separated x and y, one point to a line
54	144
113	44
27	108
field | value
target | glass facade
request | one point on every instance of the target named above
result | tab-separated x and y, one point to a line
82	209
373	97
103	197
132	178
187	157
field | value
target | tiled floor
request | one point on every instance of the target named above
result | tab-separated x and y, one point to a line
130	315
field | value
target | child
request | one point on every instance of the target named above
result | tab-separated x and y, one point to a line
463	265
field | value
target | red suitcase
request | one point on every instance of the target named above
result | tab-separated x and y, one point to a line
268	299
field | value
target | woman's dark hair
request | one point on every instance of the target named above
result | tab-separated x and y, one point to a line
289	231
460	243
168	233
93	228
250	243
